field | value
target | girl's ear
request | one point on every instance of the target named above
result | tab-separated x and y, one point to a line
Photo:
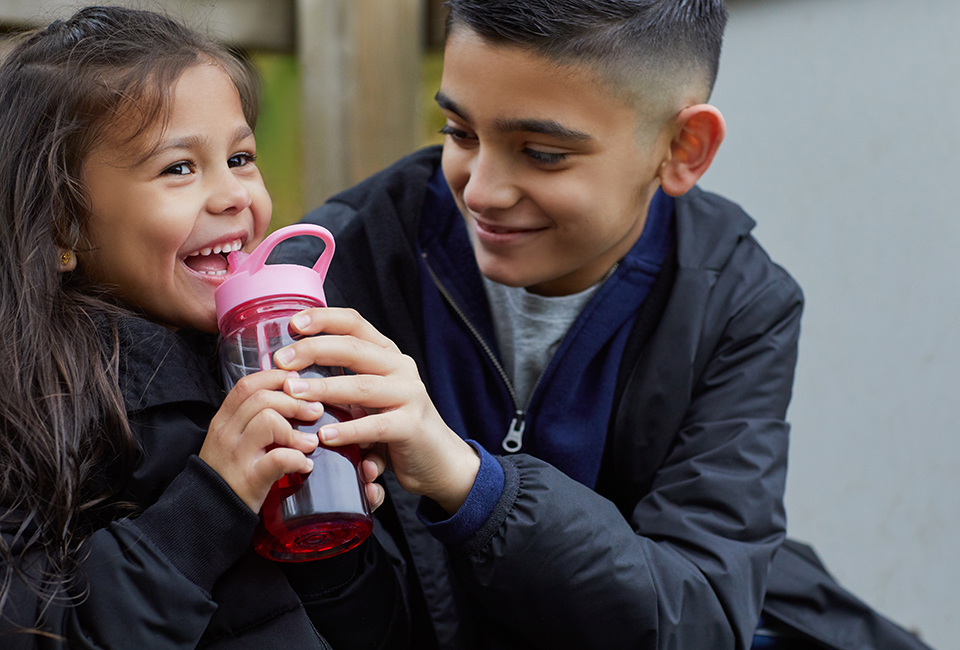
699	132
68	261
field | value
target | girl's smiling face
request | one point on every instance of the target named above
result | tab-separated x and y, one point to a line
161	225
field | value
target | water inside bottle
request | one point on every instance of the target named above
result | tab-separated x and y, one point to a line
305	516
316	515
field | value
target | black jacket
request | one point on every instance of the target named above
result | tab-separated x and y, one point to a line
181	574
674	546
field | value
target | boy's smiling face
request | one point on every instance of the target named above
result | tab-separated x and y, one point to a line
160	225
545	163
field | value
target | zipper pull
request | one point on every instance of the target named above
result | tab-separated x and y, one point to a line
514	439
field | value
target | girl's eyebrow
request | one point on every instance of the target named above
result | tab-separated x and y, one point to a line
550	128
192	142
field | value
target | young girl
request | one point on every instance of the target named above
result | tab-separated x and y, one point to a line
129	485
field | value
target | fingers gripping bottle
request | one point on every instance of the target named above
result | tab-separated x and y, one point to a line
305	516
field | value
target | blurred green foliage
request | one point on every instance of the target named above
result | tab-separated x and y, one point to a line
279	142
431	117
279	145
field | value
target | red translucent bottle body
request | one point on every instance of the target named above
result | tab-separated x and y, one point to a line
305	516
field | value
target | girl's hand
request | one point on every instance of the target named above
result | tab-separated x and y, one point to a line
250	442
427	457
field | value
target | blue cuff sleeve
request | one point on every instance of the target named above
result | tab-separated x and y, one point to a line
483	497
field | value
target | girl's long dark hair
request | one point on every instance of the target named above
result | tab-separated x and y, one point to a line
65	443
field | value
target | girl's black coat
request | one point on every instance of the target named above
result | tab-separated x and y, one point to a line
182	575
674	547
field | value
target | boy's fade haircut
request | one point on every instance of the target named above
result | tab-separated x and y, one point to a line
649	50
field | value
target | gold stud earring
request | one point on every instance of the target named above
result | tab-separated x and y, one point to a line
65	258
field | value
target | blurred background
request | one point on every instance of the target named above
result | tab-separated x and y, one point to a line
842	143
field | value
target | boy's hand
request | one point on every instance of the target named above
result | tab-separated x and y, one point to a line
250	442
427	457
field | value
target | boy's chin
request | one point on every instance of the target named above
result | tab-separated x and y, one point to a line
503	278
513	275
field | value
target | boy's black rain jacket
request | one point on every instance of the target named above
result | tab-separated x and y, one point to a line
674	547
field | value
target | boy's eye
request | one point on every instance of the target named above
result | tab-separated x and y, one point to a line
241	159
544	157
457	134
181	168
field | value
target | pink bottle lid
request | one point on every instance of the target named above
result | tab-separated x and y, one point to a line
252	279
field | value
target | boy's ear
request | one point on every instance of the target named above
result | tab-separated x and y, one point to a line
700	130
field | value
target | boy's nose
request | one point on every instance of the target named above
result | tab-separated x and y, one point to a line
491	184
229	195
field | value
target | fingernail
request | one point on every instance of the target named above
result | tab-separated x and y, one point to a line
314	408
297	386
309	465
300	321
284	356
309	436
328	434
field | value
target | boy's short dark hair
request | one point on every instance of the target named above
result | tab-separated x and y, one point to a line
676	39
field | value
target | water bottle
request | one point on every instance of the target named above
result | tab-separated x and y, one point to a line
305	516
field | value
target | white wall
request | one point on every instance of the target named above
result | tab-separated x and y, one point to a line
844	143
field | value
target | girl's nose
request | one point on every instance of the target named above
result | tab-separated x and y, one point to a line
229	195
491	184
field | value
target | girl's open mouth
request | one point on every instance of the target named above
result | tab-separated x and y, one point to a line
212	261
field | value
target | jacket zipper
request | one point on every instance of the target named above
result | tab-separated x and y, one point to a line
514	438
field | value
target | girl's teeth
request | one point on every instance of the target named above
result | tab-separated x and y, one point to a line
224	248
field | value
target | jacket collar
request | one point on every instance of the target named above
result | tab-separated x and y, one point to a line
708	229
400	189
159	366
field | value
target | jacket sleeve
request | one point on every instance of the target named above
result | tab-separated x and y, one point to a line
684	564
142	583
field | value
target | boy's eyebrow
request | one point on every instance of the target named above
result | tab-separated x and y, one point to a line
544	127
448	104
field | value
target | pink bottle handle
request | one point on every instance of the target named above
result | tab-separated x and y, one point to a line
259	256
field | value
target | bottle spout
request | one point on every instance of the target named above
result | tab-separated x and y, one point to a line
236	259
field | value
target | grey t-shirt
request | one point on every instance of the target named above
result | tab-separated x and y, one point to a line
529	329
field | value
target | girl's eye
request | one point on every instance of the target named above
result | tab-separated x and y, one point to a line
181	168
545	158
457	134
241	159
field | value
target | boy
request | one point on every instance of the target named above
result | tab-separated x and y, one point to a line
613	342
